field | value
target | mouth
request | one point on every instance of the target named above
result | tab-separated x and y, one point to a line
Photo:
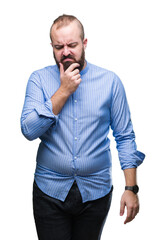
68	60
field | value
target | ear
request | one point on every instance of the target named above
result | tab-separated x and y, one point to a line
51	44
85	41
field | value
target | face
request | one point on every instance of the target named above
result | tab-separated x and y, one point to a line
68	46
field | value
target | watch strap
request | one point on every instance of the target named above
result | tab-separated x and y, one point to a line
134	188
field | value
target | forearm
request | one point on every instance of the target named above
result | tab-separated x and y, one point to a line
130	176
40	119
33	126
58	100
36	118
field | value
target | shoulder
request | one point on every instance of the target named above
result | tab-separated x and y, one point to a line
111	75
46	74
102	70
47	79
46	70
99	69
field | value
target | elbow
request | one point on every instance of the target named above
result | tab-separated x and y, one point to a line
29	135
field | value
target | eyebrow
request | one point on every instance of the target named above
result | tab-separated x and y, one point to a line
69	44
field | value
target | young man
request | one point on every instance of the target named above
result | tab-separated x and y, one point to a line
70	107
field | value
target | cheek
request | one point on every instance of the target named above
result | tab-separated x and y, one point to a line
77	53
57	55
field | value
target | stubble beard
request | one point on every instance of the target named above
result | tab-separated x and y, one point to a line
67	64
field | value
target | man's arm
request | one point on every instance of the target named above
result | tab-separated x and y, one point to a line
38	114
129	199
130	158
70	80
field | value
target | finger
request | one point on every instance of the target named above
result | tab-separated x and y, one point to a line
129	217
76	71
76	77
79	80
72	67
122	208
135	212
61	68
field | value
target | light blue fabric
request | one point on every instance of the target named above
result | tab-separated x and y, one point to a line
75	144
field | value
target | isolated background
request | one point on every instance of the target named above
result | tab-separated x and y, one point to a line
125	36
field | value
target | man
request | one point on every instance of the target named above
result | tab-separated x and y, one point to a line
70	107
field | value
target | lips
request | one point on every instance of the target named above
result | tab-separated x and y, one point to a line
67	60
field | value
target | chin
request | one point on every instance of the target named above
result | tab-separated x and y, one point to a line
67	64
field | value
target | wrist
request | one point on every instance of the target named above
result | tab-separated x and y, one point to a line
133	189
130	176
63	92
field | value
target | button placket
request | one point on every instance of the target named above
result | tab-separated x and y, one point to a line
75	137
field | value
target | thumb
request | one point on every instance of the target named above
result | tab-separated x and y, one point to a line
122	208
61	68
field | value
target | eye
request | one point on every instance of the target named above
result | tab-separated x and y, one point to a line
72	45
58	47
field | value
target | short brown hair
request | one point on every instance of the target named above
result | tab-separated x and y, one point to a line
65	20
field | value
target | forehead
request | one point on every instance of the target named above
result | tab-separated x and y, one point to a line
68	33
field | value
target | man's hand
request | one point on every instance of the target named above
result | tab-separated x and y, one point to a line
131	202
70	79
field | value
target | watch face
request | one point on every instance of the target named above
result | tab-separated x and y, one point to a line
135	189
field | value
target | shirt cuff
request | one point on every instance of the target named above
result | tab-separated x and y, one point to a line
132	160
46	110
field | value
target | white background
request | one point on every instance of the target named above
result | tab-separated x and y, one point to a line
125	36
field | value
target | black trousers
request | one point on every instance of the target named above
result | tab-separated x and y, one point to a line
71	219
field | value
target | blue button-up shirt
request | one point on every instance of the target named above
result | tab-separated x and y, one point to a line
75	144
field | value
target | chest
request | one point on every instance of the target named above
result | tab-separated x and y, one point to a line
90	102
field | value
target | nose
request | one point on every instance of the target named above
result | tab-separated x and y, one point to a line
66	51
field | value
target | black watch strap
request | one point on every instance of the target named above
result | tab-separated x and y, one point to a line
134	189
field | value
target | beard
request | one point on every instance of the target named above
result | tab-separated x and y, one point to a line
67	64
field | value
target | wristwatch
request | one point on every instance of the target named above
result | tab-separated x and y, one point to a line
134	189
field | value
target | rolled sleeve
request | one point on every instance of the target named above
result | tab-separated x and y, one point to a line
46	110
37	115
131	160
122	128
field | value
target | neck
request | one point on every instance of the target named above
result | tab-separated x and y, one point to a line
84	65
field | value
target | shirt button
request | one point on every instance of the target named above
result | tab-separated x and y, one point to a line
75	138
75	174
75	119
75	157
75	101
